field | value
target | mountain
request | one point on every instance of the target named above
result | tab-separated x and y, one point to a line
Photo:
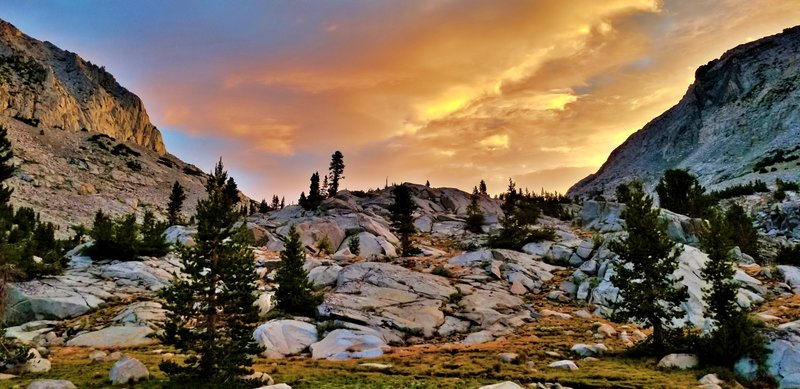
52	88
81	141
738	121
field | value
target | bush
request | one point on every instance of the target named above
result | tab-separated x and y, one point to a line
11	352
124	151
325	245
440	270
680	192
741	229
788	255
752	187
354	245
739	337
786	185
123	239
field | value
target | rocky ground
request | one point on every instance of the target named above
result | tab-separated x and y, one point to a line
455	316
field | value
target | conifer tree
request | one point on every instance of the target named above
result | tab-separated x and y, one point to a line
427	183
336	171
680	192
263	207
734	335
176	199
482	188
126	238
741	230
355	245
323	192
6	172
283	202
212	316
102	233
295	294
475	216
402	210
154	244
647	260
303	201
314	197
275	202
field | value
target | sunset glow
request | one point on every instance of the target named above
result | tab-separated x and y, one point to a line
447	91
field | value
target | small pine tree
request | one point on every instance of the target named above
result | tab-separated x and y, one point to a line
325	246
303	201
283	202
647	260
102	233
623	193
6	172
212	314
263	207
740	227
475	216
126	238
336	172
402	210
176	199
295	294
154	244
680	192
518	215
427	184
323	192
314	197
275	202
354	245
735	335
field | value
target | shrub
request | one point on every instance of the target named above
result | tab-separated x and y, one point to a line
440	270
680	192
134	165
123	239
786	185
123	150
752	187
295	293
325	245
742	232
739	337
355	245
788	255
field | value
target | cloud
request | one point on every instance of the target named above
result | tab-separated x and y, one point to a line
450	91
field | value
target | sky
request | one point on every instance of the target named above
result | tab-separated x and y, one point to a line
409	90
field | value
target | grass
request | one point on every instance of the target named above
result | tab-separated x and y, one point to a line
425	366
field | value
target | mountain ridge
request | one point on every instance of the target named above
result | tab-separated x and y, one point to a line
48	87
741	108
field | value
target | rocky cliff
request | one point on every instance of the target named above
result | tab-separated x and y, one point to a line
50	88
739	121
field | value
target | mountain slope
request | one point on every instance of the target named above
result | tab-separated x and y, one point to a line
740	115
47	87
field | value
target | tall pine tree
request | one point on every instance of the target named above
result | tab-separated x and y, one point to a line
295	294
482	188
212	316
647	259
402	210
336	172
176	199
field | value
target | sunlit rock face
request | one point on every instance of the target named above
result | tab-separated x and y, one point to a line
740	115
57	89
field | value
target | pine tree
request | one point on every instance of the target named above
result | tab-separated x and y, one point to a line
402	210
275	202
680	192
475	216
314	198
263	207
735	335
482	188
283	202
154	243
740	227
647	260
176	198
6	172
216	295
295	294
303	201
518	215
336	171
323	192
355	245
427	184
126	238
102	233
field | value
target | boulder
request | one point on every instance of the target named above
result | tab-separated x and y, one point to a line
586	350
679	361
322	276
746	368
285	337
478	337
36	300
791	275
183	235
144	313
348	344
502	385
51	384
128	370
36	364
453	325
566	365
783	359
117	336
276	386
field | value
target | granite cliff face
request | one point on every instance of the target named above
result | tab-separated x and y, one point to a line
50	88
739	121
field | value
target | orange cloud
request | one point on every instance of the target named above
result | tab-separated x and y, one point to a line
456	92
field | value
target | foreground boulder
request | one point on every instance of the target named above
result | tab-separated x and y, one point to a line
783	361
128	370
51	384
285	337
348	344
679	361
